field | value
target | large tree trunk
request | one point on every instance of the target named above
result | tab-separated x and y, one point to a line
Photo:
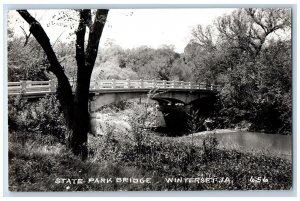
75	107
85	63
80	126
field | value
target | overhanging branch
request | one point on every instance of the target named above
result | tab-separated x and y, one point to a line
64	90
40	35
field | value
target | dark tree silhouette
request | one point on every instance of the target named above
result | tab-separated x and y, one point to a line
74	105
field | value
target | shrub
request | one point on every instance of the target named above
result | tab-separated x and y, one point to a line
194	122
15	106
210	144
116	107
43	116
141	120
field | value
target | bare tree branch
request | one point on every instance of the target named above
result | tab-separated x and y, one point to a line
249	28
26	36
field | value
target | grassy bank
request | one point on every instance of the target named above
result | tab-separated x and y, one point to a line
41	162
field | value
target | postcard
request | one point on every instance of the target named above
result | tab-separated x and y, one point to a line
189	99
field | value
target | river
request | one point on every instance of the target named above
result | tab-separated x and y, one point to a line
271	144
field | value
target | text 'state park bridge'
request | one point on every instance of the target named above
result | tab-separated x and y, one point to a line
170	95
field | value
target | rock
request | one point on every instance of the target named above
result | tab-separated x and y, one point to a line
243	126
102	124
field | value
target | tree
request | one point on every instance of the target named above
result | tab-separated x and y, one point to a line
250	58
203	38
26	62
150	63
74	107
248	29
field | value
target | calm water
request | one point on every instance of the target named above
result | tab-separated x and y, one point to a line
272	144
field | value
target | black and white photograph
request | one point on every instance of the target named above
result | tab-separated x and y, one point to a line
161	99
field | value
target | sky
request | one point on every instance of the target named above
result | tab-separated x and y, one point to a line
132	28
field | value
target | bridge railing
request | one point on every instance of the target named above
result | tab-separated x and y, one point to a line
27	87
145	84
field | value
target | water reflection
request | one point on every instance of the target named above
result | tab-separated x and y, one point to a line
273	144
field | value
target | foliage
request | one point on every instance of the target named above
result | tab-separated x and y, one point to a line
15	107
110	65
194	121
26	61
251	63
250	92
66	55
141	63
248	29
43	116
116	107
209	145
142	118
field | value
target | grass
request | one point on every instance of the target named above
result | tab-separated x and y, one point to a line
35	166
37	162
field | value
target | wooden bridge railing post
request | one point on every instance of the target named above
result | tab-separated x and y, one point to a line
113	83
174	84
142	83
128	84
165	84
52	86
23	87
99	84
28	83
182	84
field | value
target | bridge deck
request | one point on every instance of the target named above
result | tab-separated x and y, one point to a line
41	88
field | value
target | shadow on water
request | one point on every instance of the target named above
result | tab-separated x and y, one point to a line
167	132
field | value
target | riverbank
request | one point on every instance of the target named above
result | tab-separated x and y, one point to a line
274	145
40	163
216	131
